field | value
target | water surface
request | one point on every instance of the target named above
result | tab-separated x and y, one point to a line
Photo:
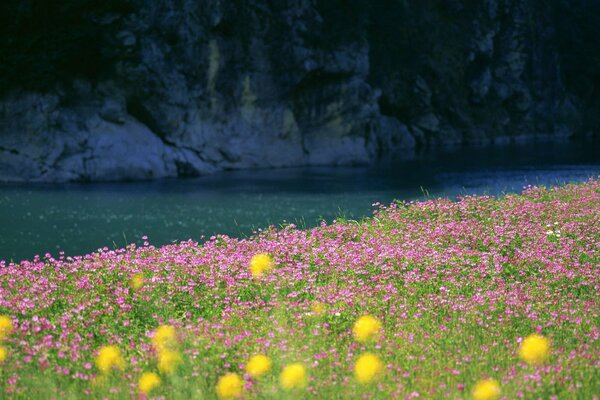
80	218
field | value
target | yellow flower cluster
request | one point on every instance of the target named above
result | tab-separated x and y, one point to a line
169	358
137	281
535	349
148	382
109	358
368	368
6	329
317	307
164	338
229	386
166	345
258	365
366	328
169	361
486	389
259	264
293	376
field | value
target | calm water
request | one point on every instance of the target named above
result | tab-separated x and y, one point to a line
79	218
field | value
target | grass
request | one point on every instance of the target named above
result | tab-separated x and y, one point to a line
457	285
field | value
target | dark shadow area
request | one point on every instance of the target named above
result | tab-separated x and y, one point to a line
43	43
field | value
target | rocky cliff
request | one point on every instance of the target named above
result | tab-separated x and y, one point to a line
113	90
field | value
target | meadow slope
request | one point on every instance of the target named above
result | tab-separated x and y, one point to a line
455	285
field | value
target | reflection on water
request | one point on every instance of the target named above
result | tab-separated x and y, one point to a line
79	218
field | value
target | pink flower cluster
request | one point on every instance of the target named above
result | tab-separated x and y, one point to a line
457	284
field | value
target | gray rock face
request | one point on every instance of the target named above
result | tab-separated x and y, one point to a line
196	87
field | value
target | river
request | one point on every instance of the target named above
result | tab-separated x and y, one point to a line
80	218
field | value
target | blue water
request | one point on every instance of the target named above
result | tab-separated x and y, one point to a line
80	218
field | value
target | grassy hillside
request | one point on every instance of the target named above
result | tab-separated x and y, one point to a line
453	288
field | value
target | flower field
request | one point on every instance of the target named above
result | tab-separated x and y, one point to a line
480	298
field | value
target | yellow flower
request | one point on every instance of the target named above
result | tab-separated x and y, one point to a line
229	386
317	307
109	358
535	349
259	264
137	281
164	338
6	326
486	389
148	382
293	376
168	361
367	368
366	327
258	365
3	354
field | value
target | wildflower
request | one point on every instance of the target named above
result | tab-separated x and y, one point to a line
535	349
3	354
109	358
148	382
258	365
317	307
6	326
229	386
259	264
168	361
164	338
486	389
137	281
293	376
367	368
366	328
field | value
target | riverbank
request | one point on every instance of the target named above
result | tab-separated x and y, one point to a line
456	286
